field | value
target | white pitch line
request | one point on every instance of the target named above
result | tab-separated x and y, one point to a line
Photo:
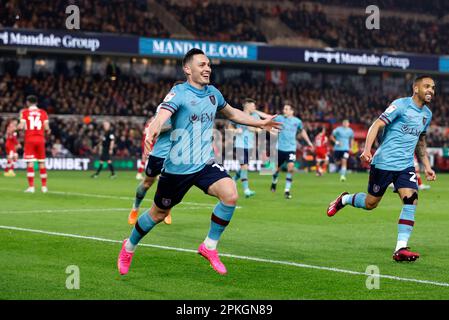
83	210
105	196
279	262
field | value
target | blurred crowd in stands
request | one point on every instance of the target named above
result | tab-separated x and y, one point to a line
210	20
130	96
111	16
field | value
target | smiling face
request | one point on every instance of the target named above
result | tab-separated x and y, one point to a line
198	70
424	90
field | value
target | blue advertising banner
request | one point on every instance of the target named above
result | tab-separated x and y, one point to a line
349	58
88	42
178	48
444	64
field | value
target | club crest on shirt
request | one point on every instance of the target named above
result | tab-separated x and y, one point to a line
169	96
424	120
193	118
212	99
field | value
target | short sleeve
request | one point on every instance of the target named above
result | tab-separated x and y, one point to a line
300	126
172	100
221	102
352	134
391	113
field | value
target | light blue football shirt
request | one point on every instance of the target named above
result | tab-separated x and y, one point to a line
246	139
343	136
405	122
288	133
192	127
163	143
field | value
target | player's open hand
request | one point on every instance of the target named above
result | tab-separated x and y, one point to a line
366	156
269	123
430	174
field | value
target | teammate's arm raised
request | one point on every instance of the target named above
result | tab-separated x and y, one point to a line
155	127
241	117
370	138
421	151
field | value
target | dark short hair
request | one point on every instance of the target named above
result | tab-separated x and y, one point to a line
421	77
31	99
189	55
249	100
289	103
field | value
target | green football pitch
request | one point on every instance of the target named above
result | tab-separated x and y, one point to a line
273	249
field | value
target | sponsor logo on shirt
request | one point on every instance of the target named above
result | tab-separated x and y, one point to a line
410	130
203	117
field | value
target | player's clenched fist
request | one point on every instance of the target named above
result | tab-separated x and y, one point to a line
430	174
366	156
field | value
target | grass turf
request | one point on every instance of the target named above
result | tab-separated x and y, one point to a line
266	226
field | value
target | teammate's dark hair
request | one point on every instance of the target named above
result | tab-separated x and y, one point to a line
189	55
248	100
289	103
32	99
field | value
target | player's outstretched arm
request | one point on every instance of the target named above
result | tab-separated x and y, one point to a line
241	117
370	138
421	151
155	126
262	114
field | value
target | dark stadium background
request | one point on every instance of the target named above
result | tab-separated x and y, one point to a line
124	82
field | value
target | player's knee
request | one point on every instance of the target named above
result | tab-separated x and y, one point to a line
158	214
413	199
148	182
230	198
370	205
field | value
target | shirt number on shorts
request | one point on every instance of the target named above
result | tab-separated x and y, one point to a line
292	157
413	177
35	123
218	166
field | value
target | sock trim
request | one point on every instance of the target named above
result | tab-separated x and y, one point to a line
140	230
218	220
406	222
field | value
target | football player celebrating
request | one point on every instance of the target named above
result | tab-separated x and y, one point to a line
405	121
